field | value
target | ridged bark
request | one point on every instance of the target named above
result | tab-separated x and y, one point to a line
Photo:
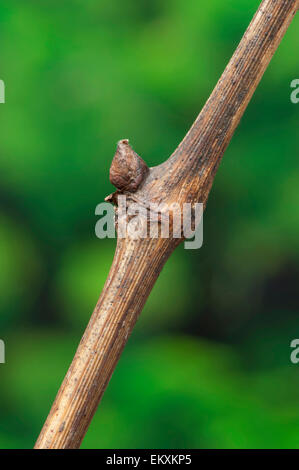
187	176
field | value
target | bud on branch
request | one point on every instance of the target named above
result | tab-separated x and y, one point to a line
187	176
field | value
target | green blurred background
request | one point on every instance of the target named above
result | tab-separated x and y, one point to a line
208	365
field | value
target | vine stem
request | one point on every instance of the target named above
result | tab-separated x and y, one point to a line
187	176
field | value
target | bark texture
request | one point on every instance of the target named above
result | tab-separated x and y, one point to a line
187	176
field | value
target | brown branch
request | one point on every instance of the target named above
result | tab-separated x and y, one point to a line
187	176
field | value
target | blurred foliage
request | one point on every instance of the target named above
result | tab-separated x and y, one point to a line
208	364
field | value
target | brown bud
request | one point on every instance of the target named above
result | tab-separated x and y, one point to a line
127	170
